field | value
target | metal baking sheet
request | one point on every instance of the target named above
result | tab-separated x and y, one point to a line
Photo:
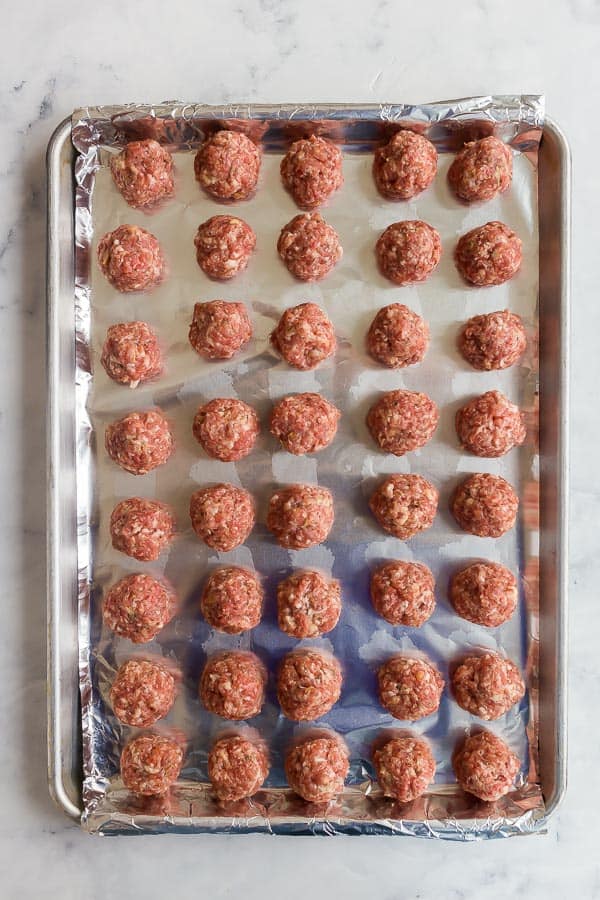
444	811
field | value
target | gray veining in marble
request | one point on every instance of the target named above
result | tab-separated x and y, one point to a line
57	55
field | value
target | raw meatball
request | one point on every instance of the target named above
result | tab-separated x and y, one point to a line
222	515
405	768
316	768
227	429
227	166
490	254
131	259
304	336
495	340
140	442
485	593
308	684
401	421
311	171
308	604
405	166
398	337
309	247
404	505
232	600
490	425
485	505
409	689
224	244
485	766
143	173
408	252
131	353
237	768
304	423
481	170
402	593
142	693
150	764
138	607
487	685
233	684
141	528
219	329
300	516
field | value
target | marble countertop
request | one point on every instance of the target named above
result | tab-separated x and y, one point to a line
59	55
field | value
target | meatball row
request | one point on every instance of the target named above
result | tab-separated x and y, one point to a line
308	604
317	765
302	515
227	167
407	252
399	422
304	337
309	683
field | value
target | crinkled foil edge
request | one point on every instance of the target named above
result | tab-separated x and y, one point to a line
518	120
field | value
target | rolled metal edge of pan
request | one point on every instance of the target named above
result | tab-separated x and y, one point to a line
56	726
558	660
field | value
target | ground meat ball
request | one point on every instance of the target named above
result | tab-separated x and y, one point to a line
487	685
142	693
226	429
490	425
405	768
140	442
485	505
304	336
404	505
304	423
227	166
143	173
402	593
150	764
490	254
219	329
495	340
131	353
300	516
311	171
237	768
224	244
308	684
481	170
485	766
409	689
309	247
232	600
222	515
485	593
408	252
401	421
233	684
141	528
138	607
308	604
317	768
131	259
405	166
398	337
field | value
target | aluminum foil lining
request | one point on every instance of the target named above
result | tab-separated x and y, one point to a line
351	467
